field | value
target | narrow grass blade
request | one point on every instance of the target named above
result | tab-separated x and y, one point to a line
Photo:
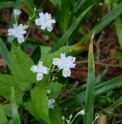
15	114
104	22
4	5
68	33
4	53
118	26
89	103
99	90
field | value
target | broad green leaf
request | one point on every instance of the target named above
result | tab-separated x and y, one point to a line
40	103
8	4
103	23
68	33
15	115
3	118
54	116
7	110
55	89
17	5
9	122
20	64
28	105
6	81
4	53
89	102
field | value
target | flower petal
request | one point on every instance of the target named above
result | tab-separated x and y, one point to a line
63	57
34	68
11	31
39	76
66	72
20	38
38	21
56	61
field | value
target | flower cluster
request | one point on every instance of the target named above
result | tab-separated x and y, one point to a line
45	21
65	63
40	70
18	32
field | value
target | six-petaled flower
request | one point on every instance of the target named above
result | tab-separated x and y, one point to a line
65	63
45	21
18	32
17	12
40	70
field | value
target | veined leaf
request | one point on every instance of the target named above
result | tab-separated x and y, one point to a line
55	89
40	103
20	64
54	116
6	81
3	118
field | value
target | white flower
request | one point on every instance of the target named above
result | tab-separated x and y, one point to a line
40	70
70	117
82	112
50	103
65	63
18	32
45	21
17	12
63	118
48	92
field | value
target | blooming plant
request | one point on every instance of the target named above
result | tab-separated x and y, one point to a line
42	84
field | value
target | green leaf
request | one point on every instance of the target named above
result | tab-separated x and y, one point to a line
55	89
8	4
54	116
6	81
3	118
103	23
40	103
15	115
7	110
99	90
118	53
89	102
28	105
20	64
4	53
100	76
68	33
